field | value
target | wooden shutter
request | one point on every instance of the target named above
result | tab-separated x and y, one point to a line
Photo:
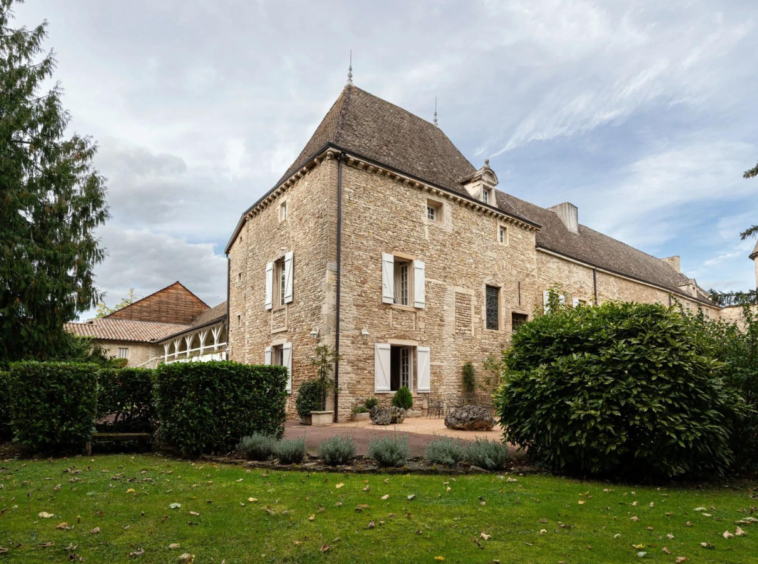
382	368
267	357
269	285
575	302
419	284
287	362
546	300
424	370
288	278
388	278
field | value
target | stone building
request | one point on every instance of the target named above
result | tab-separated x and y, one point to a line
169	325
384	242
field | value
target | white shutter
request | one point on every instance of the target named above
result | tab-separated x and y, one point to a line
561	299
288	278
287	362
575	302
424	370
269	285
546	300
267	358
388	278
419	284
382	368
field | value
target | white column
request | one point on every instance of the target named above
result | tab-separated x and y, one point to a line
202	335
188	342
177	342
165	352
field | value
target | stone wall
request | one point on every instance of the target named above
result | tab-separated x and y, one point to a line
735	314
461	254
309	232
139	353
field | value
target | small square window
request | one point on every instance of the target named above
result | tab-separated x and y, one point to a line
517	320
283	211
433	210
123	352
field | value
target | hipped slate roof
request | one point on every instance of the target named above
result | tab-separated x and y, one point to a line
124	330
389	135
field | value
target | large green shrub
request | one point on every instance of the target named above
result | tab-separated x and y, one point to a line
209	406
618	388
53	404
403	398
308	398
126	400
5	408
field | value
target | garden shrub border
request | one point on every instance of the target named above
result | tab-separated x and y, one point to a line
129	394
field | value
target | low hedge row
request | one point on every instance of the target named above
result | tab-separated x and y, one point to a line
199	407
210	406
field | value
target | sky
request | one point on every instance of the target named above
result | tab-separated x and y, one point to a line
641	113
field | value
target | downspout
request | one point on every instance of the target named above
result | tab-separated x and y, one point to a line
594	283
339	287
228	320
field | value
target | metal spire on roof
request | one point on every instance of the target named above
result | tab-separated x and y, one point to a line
350	70
435	112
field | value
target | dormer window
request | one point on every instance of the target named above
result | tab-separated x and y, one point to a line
485	196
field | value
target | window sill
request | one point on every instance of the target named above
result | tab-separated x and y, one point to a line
402	307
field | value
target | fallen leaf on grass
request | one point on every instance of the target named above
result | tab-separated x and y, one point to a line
739	532
95	531
635	518
439	558
312	518
638	546
699	509
706	545
669	536
727	535
173	546
325	548
385	497
137	553
338	486
543	531
665	550
175	506
47	544
367	489
371	525
688	524
680	559
485	536
252	499
45	515
195	513
131	490
411	497
642	554
3	550
187	557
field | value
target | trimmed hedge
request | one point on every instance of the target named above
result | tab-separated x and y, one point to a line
308	398
126	394
54	404
209	406
5	408
618	388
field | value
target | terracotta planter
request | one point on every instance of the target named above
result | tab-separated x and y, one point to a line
322	418
361	416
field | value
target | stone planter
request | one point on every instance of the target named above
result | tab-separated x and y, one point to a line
361	416
322	418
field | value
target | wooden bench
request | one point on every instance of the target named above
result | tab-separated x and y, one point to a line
116	437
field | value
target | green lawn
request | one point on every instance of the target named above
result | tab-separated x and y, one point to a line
296	514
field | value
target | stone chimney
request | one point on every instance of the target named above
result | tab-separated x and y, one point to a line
569	215
673	262
754	258
481	186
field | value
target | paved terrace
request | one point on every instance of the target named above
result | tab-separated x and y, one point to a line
420	432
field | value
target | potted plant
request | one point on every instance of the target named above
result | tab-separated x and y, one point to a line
323	360
308	400
360	413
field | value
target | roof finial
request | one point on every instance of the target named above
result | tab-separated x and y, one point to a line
435	112
350	70
486	162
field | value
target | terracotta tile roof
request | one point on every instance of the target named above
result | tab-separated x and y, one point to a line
124	329
213	315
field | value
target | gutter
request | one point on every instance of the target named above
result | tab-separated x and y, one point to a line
339	287
597	269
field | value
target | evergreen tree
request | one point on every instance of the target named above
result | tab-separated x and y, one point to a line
51	201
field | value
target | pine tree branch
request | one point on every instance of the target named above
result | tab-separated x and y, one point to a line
751	173
750	232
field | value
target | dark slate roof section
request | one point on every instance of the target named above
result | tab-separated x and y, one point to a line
594	248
